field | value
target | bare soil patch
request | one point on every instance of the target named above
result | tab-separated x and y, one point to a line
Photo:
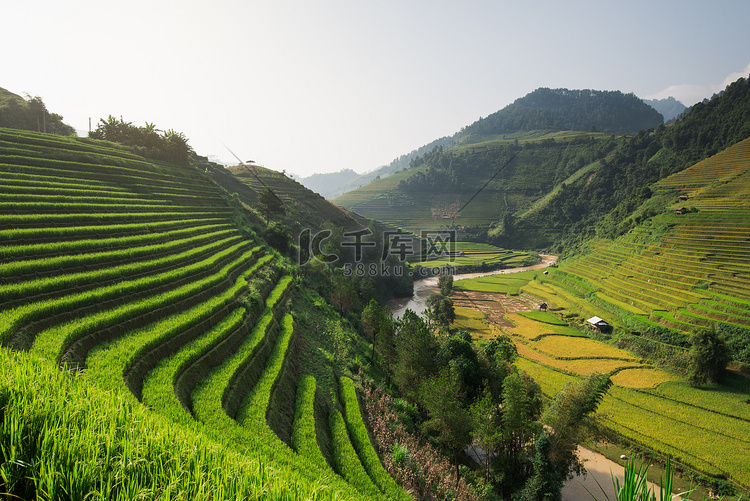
493	305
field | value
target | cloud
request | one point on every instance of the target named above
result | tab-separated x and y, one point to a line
689	94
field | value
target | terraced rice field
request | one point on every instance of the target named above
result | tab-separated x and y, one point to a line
135	271
703	429
684	270
479	254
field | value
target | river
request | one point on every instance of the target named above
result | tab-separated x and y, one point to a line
598	466
426	286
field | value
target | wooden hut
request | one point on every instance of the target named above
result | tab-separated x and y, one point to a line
598	324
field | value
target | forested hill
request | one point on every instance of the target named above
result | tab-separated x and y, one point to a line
550	110
553	190
563	109
612	199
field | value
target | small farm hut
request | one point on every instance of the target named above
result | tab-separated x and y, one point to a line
598	323
543	307
681	210
682	198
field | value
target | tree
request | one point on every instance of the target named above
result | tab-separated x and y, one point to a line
415	353
378	322
445	284
269	204
442	397
521	407
440	309
709	357
545	484
343	294
277	235
457	352
485	419
566	418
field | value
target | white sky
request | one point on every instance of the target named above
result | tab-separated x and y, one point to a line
319	86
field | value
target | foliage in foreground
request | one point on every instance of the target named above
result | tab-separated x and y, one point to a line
102	445
635	488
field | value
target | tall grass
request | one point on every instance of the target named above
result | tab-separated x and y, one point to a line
304	435
65	439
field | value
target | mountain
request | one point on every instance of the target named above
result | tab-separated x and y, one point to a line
563	109
554	190
670	108
338	183
328	184
539	112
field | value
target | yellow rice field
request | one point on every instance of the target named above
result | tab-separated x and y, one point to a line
643	378
562	346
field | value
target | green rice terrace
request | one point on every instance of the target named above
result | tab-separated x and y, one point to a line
138	276
688	268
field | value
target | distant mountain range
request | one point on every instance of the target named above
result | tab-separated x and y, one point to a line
670	108
548	110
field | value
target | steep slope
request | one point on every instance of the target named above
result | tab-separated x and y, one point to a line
474	186
302	207
145	274
686	269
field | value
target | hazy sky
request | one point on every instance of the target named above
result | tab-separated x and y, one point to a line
318	86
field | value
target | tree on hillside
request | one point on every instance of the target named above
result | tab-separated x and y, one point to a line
545	484
415	354
442	397
378	322
485	418
31	114
521	408
709	357
457	352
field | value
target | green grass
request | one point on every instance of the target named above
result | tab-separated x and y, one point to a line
253	410
52	342
159	385
15	318
103	445
361	441
544	317
30	288
345	458
304	436
510	283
